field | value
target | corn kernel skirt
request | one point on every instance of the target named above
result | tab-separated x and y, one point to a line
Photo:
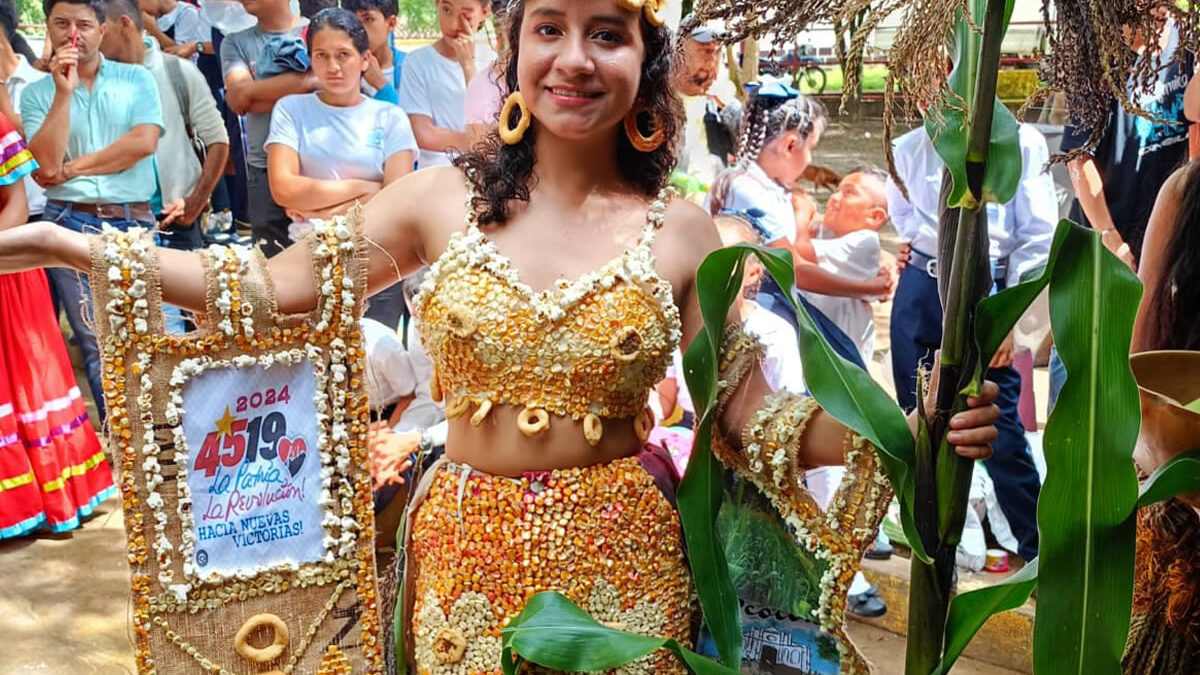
481	545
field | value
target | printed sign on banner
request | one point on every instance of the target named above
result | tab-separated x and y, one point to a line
252	475
244	468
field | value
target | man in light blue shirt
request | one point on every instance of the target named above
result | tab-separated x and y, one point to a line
1020	234
93	127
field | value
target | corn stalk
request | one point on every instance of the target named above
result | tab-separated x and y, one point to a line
942	477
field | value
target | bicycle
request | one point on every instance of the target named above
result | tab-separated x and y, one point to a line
805	70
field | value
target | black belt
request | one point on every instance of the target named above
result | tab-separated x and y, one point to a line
924	262
132	211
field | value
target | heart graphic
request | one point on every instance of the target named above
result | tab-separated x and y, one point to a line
292	454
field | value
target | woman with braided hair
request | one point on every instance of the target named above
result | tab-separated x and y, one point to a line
546	362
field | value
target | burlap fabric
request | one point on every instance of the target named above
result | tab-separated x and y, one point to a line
237	529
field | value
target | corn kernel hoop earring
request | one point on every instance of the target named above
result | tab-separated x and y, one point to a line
509	134
643	143
653	9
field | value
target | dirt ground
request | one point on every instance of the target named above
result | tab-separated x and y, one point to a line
64	607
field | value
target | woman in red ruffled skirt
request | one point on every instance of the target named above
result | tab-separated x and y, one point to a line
53	471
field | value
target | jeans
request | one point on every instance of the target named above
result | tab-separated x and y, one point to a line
179	239
268	221
74	292
1058	377
916	334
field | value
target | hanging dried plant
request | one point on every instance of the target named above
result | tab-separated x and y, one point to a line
1092	58
1089	57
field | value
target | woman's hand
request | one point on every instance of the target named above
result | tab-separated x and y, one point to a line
391	453
1113	242
973	430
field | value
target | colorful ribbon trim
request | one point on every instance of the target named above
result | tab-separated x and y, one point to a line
20	165
85	510
24	527
73	472
53	405
55	432
16	482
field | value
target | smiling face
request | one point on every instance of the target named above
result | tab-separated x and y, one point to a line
859	203
579	65
336	62
65	19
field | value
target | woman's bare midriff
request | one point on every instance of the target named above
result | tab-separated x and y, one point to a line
499	447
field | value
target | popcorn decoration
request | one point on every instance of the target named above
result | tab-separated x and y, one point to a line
244	472
613	328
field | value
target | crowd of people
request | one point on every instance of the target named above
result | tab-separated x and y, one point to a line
144	115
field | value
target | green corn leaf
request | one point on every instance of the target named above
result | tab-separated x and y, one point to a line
996	315
1178	476
1002	172
1087	534
554	632
718	284
852	397
970	610
844	391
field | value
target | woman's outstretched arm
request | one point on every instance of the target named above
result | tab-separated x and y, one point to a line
822	443
392	224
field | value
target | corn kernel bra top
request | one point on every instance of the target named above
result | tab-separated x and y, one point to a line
590	349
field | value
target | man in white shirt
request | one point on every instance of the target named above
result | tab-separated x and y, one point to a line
190	116
433	86
704	88
1020	233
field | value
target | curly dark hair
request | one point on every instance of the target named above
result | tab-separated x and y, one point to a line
504	173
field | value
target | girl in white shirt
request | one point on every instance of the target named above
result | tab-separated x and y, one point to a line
780	130
335	147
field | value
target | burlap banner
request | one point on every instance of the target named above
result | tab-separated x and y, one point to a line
243	465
